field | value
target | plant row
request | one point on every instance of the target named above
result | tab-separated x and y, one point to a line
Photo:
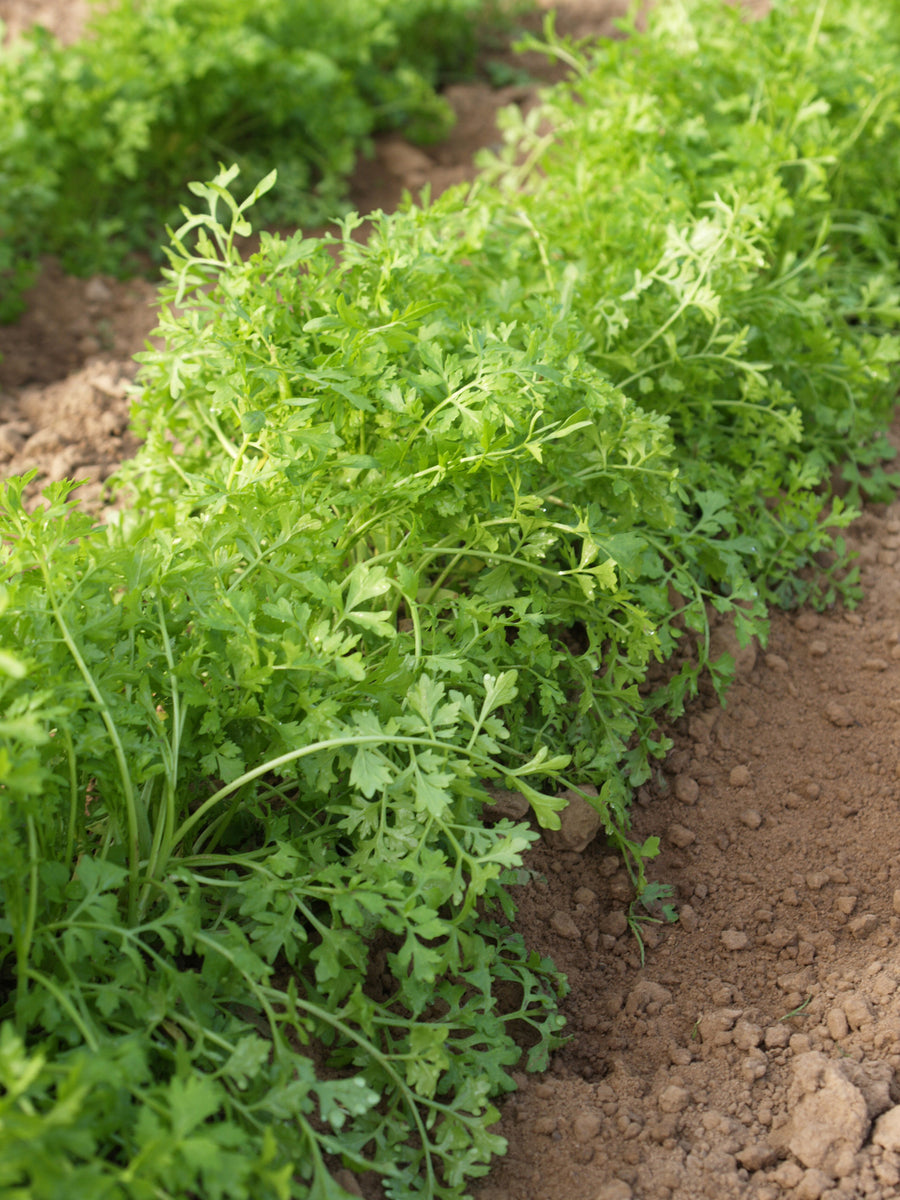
98	139
414	520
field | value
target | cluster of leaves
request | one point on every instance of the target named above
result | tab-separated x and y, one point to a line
98	139
757	304
413	518
244	875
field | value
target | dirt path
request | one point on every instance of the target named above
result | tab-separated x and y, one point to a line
756	1051
689	1077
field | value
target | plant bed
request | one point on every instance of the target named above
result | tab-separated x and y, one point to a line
411	519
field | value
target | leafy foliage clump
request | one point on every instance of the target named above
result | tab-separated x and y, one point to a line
98	139
412	520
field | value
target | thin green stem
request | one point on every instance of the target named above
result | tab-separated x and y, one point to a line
785	418
24	930
337	743
815	28
413	610
62	999
73	798
133	841
238	459
165	826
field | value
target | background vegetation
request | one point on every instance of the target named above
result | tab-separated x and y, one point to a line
98	139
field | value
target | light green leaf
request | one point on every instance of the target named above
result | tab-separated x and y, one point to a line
371	771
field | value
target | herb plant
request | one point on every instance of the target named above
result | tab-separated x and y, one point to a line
98	139
454	509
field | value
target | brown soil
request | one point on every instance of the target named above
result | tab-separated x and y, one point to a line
756	1050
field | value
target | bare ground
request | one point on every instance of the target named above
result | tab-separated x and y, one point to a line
756	1050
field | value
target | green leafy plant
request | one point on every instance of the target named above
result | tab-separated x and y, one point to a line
218	940
98	139
795	1012
733	182
453	509
652	899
